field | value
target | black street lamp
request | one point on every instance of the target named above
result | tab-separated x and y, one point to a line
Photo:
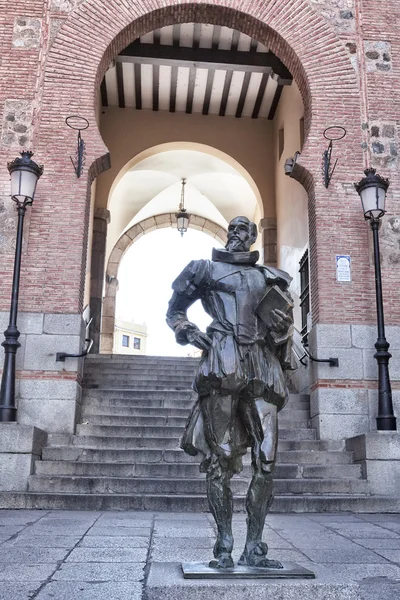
372	190
24	177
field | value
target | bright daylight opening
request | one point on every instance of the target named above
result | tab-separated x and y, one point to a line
157	258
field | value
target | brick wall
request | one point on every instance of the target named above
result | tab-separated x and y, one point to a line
345	61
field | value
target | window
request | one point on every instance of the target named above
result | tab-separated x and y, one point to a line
304	295
281	142
301	133
136	343
125	341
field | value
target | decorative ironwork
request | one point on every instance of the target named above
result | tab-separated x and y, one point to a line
78	124
327	155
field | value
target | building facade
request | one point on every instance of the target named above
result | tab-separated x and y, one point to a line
343	58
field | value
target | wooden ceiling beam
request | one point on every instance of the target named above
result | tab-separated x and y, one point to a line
203	58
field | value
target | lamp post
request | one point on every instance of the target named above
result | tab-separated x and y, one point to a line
24	174
182	217
372	191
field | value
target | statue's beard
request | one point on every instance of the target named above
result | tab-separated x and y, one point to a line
236	245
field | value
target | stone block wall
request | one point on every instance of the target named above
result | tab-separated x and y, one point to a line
344	399
48	392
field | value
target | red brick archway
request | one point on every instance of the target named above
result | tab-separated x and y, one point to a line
96	31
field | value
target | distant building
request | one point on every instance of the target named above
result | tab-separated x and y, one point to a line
129	337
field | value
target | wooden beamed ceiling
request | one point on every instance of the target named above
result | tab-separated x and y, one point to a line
197	68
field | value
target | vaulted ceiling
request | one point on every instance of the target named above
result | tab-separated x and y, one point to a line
197	68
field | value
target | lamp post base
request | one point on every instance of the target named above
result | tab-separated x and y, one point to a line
8	414
387	423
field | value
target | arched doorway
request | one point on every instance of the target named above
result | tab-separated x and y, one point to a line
126	240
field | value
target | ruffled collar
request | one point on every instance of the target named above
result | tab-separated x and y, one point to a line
235	258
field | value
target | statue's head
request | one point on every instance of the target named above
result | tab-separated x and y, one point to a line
242	233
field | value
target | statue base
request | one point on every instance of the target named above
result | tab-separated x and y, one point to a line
290	570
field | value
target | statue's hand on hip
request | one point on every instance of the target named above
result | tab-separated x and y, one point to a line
199	339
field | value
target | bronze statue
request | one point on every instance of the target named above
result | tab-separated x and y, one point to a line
240	382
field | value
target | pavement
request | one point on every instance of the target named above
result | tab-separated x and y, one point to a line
67	555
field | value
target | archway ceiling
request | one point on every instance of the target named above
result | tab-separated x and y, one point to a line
197	68
215	190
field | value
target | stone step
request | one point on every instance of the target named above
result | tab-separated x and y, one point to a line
139	379
197	503
139	394
141	420
139	358
144	408
113	469
147	429
132	412
169	401
145	485
157	455
157	441
162	401
141	385
123	368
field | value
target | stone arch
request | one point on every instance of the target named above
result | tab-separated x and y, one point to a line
205	148
97	30
125	241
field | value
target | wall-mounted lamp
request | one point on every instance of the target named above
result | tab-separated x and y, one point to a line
290	162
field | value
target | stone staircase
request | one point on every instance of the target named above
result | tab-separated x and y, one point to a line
126	455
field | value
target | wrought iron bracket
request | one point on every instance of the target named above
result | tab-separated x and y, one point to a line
333	362
78	124
61	356
328	170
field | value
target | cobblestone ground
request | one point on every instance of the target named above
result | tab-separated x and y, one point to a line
63	555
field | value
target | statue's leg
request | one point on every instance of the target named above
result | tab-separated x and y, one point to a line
220	501
219	416
260	419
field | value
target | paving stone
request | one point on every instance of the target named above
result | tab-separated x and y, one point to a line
107	555
119	531
328	555
178	543
379	543
358	573
18	591
99	572
182	531
389	554
44	541
162	555
28	555
94	590
368	531
26	572
327	541
116	541
7	531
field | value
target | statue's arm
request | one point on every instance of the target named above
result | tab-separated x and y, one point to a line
187	289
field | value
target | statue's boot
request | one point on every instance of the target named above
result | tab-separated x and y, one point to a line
255	555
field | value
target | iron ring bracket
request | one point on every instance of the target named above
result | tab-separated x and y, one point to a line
80	150
61	356
327	155
333	362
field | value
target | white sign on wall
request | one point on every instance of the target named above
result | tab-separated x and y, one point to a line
343	271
